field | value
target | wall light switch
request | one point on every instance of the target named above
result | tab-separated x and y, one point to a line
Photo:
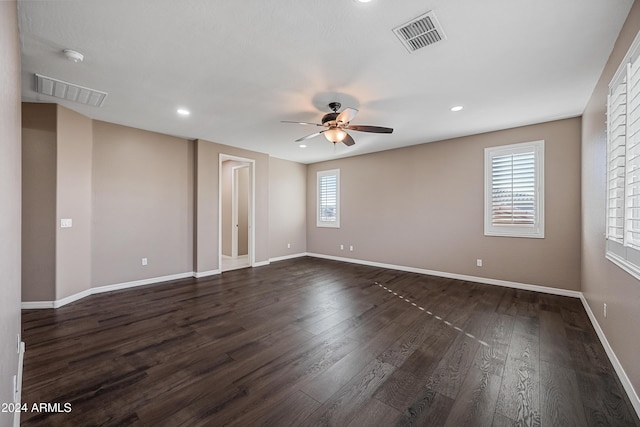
66	223
144	261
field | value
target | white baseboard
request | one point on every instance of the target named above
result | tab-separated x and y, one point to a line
622	375
143	282
35	305
261	263
286	257
505	283
199	274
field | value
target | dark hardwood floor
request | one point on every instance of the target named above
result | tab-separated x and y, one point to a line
317	342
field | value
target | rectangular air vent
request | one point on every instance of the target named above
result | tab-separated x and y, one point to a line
69	91
420	32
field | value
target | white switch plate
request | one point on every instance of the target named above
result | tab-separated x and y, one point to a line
479	263
144	261
66	223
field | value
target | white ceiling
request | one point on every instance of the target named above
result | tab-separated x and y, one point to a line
241	67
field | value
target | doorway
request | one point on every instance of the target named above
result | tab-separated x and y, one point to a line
236	247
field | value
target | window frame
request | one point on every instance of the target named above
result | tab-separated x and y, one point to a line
319	195
622	248
535	230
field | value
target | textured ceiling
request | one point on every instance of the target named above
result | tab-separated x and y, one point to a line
241	67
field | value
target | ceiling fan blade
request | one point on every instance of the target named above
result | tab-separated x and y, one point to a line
366	128
313	135
301	123
348	141
346	116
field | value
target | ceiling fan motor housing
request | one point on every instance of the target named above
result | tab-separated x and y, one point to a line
329	117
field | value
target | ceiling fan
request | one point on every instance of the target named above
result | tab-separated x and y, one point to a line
337	124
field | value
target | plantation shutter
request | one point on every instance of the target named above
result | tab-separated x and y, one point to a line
632	179
513	189
616	135
328	198
623	164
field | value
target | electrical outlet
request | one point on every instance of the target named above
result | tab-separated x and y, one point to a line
288	245
144	261
351	248
342	247
478	263
605	310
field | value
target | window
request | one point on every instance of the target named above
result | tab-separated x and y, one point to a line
514	190
328	208
623	164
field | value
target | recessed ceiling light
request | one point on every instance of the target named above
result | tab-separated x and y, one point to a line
302	146
457	108
183	112
363	1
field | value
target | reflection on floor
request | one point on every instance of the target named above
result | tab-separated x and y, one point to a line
234	263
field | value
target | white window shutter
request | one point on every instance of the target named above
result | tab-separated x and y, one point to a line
616	152
328	213
632	177
514	188
623	164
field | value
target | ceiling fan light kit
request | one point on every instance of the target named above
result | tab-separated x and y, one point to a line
335	135
337	124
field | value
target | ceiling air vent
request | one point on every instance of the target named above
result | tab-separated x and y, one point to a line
69	91
420	32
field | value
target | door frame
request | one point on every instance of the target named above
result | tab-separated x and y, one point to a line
251	164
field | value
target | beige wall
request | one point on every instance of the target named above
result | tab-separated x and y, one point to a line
131	194
73	201
10	187
39	202
207	211
422	207
603	282
287	208
142	204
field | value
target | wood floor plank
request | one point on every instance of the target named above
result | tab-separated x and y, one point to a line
345	404
320	342
553	339
375	413
290	411
560	399
519	398
475	404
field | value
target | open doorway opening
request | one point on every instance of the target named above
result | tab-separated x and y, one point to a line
236	212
